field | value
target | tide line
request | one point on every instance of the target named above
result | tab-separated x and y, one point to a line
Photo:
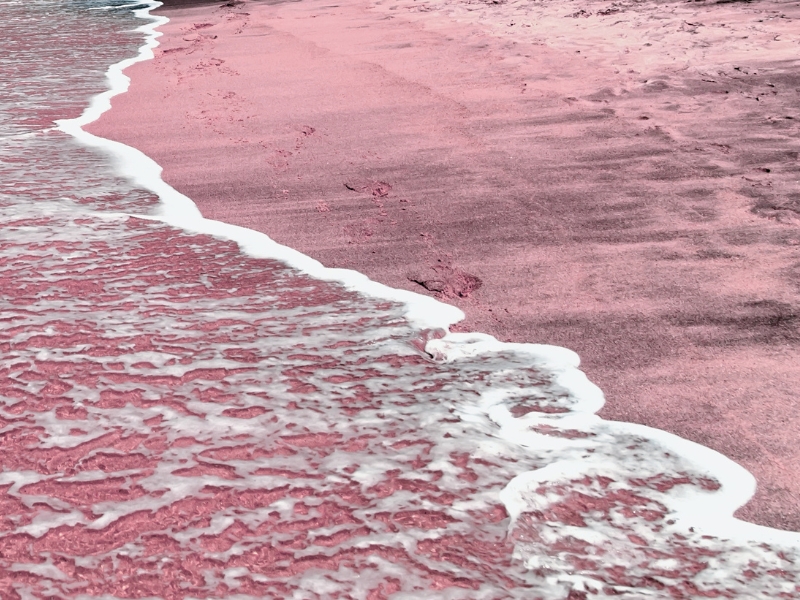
713	513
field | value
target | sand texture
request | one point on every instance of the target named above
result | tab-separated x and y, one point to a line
620	178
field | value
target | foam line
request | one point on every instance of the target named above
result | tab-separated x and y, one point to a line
713	512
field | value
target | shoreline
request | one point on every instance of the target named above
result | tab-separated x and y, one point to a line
192	404
433	318
363	201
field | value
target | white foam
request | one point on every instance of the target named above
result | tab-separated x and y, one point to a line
46	569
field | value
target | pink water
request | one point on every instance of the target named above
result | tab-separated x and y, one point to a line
181	419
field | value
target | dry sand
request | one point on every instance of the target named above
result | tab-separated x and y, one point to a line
620	178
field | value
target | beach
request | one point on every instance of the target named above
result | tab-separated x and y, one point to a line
279	296
618	179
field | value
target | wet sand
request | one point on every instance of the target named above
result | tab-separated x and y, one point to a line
620	179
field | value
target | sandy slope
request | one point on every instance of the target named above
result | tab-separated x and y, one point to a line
616	177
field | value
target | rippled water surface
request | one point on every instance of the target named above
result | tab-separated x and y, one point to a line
181	420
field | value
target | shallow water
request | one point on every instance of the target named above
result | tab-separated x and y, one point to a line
181	419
